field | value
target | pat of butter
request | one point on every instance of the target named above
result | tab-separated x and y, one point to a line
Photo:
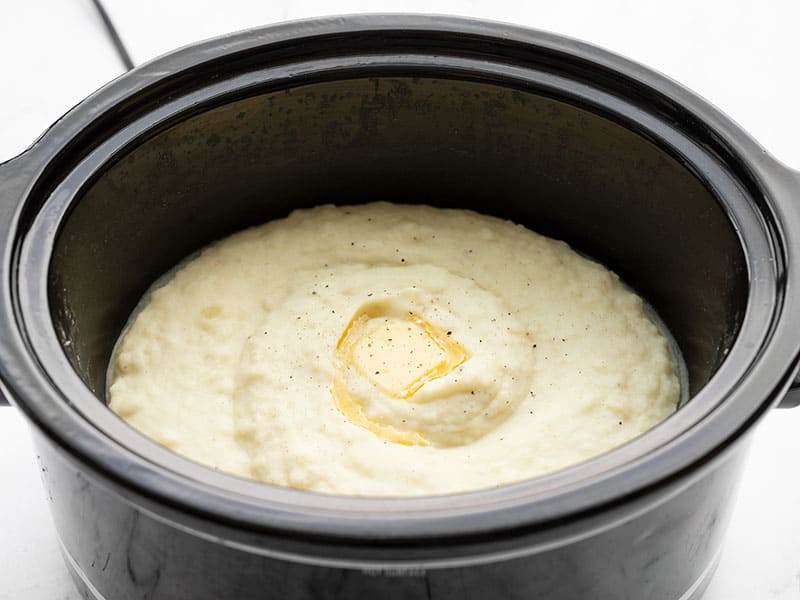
396	354
399	356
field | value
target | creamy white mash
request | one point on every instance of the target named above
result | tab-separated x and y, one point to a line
392	350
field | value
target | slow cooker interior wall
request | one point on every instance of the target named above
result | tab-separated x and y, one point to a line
558	169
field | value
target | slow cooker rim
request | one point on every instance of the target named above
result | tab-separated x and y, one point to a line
60	136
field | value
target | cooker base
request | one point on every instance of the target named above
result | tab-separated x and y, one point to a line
88	592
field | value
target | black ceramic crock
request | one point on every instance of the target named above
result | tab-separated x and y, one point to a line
574	142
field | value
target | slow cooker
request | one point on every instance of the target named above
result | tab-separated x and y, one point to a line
572	141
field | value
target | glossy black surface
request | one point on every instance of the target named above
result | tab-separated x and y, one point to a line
568	139
663	546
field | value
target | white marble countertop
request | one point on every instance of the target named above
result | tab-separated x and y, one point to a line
743	58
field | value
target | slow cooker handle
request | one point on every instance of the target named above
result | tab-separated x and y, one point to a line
15	176
792	397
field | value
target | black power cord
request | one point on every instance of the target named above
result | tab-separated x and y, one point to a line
122	52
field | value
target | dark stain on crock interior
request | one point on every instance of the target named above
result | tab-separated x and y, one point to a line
556	168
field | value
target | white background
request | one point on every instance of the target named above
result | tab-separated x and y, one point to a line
743	57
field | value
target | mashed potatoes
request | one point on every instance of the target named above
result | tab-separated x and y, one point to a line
392	350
